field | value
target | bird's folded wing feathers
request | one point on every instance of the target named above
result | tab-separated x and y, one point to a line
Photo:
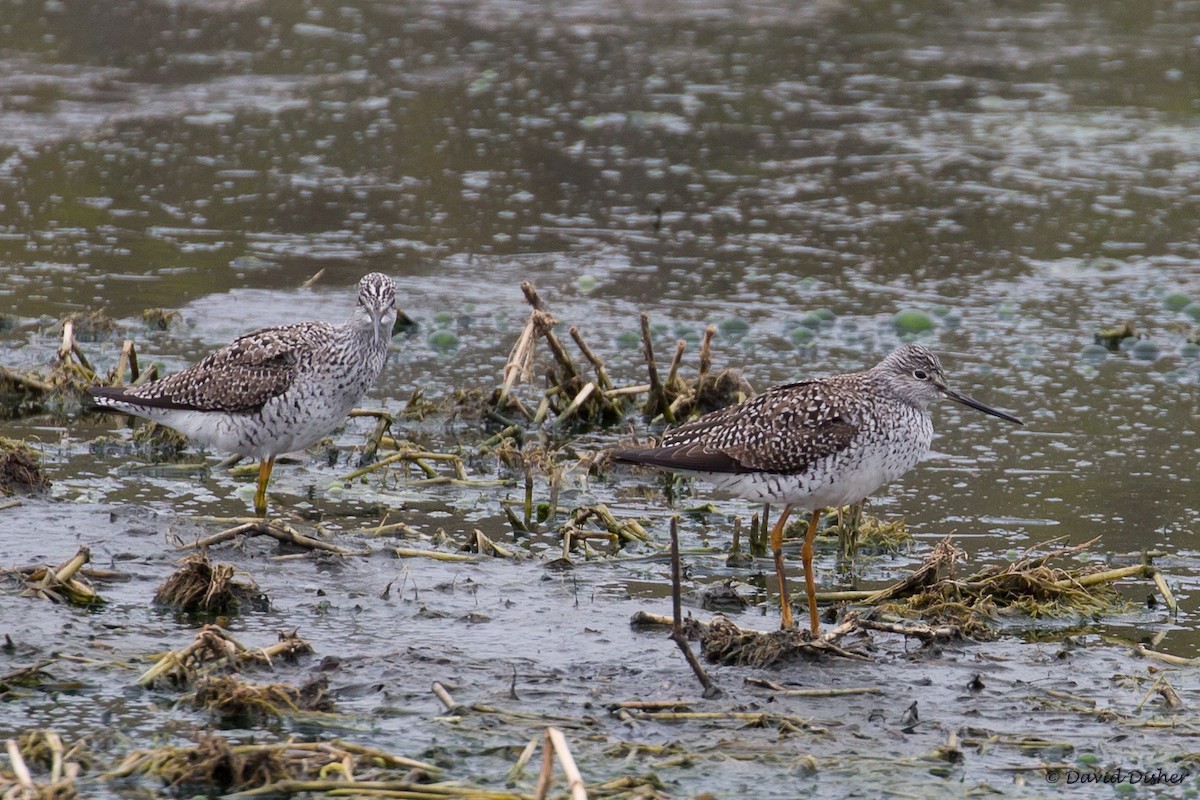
781	431
239	377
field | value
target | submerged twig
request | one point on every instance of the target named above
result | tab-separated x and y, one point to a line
677	634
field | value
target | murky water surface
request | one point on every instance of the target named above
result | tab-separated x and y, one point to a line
1024	173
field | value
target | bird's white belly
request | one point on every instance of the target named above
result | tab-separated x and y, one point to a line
294	420
836	480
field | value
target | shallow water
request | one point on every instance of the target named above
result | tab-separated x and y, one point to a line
1024	173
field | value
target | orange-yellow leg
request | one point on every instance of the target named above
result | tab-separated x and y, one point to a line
785	602
810	585
265	466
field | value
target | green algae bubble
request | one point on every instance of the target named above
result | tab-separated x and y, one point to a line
1094	353
1176	301
443	341
912	321
628	340
1193	311
733	327
586	284
1145	350
803	336
443	318
1190	351
812	320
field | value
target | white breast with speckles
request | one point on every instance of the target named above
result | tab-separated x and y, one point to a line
877	457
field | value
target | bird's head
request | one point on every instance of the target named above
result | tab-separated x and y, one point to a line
377	305
914	373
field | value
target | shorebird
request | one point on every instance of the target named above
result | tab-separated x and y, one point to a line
815	444
274	390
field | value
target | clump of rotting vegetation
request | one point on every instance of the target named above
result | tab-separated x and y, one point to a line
70	376
241	704
932	605
160	319
20	469
856	531
1029	587
62	584
91	326
158	442
1111	337
571	396
215	651
42	767
287	768
199	586
674	398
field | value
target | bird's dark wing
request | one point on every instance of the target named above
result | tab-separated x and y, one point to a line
239	377
784	430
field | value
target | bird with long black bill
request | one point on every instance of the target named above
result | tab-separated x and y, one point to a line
274	390
815	444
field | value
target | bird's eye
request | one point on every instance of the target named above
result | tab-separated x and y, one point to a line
920	374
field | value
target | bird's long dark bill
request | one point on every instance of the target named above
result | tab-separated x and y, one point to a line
978	406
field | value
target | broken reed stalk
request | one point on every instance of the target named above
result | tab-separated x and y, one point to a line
444	696
517	770
127	361
213	646
706	352
67	571
417	457
579	400
25	381
60	584
602	379
276	529
656	403
20	768
519	364
783	691
556	744
528	495
673	372
677	634
434	555
68	341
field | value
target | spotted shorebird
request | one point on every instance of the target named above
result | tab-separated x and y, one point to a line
814	444
274	390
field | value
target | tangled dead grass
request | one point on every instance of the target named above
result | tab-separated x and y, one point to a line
214	763
199	586
20	469
241	704
933	604
1029	587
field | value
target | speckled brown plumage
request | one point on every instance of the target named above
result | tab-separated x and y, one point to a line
814	444
239	377
784	430
274	390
